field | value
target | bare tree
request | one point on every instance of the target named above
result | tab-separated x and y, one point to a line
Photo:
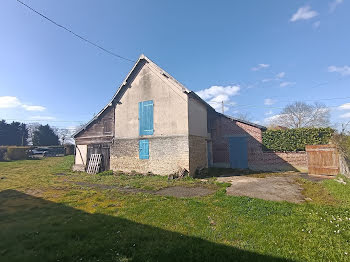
63	134
32	127
66	134
243	116
301	114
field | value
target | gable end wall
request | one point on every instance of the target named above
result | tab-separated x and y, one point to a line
169	144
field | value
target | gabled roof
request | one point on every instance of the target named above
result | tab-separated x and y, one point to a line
152	66
244	122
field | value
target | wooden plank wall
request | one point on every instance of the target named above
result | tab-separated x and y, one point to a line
100	131
323	160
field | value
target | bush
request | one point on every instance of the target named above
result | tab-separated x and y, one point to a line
295	139
3	150
17	152
106	173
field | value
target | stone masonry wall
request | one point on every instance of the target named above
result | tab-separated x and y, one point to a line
198	153
166	155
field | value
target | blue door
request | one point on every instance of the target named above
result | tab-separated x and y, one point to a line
238	152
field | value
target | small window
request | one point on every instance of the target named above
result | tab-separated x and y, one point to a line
144	149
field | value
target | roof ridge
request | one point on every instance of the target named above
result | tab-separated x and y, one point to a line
243	121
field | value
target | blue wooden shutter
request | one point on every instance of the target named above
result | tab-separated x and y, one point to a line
146	117
144	149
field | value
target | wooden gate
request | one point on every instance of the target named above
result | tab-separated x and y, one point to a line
323	160
102	149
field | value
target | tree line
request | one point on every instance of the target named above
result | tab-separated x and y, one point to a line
18	134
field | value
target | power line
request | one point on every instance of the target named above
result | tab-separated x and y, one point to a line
130	60
283	101
75	34
84	39
41	120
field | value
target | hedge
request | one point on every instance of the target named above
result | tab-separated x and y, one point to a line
17	152
291	140
3	150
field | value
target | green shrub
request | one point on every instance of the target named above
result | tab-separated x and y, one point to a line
295	139
106	173
3	150
17	152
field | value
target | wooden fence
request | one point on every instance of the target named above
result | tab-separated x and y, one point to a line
323	160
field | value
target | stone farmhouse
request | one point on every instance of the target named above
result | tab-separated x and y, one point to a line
155	124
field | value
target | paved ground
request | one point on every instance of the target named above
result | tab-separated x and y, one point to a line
275	188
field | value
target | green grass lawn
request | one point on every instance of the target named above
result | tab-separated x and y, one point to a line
49	217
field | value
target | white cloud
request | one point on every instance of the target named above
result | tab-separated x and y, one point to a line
346	115
344	106
271	119
256	122
33	108
14	102
215	91
9	102
285	84
269	113
316	24
278	77
281	75
269	101
304	13
42	118
334	5
215	95
260	66
344	71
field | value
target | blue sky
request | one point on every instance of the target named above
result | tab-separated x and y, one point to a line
257	56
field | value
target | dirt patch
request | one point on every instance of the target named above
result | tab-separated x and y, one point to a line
275	188
180	191
175	191
34	192
106	187
315	178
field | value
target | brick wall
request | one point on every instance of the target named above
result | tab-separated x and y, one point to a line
222	128
198	153
278	161
166	155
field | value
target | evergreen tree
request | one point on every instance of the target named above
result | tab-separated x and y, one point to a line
45	136
14	134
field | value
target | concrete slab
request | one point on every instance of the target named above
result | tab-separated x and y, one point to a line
274	188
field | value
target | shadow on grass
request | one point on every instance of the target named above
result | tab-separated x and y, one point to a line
225	172
34	229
